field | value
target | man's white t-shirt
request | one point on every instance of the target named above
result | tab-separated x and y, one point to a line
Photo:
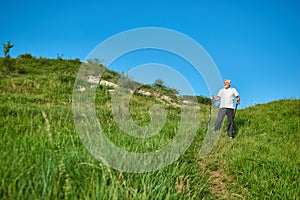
227	97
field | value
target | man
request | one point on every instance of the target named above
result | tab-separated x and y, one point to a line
226	95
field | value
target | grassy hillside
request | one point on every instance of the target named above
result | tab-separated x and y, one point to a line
42	156
263	161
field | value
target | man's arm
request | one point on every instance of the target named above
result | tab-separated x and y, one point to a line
215	99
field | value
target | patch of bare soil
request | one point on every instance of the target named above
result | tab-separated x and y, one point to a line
219	182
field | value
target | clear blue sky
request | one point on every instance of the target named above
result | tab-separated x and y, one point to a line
254	43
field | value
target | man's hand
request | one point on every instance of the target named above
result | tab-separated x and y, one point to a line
238	99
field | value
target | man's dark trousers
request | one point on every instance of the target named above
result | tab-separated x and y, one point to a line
229	112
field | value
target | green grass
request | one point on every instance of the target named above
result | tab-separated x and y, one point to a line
263	161
265	158
43	157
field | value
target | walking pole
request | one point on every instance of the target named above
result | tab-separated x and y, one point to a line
236	105
234	114
209	117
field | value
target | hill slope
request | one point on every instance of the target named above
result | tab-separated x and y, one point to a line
42	156
263	161
266	156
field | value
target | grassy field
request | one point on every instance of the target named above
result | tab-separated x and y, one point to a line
43	157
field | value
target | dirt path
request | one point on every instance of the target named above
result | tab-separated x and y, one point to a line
220	182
